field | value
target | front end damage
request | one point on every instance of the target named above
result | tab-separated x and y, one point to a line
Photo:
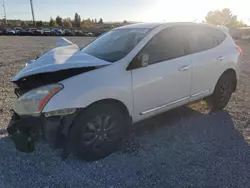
26	131
36	84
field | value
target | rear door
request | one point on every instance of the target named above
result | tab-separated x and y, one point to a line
207	54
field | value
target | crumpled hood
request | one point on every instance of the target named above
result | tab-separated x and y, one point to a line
60	58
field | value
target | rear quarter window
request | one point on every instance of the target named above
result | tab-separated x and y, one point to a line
219	37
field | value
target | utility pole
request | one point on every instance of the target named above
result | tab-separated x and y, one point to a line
32	10
5	17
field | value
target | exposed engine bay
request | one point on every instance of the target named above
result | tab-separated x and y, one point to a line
31	82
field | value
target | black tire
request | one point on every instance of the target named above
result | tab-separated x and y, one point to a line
222	92
105	141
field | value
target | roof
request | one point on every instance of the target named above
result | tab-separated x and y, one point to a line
141	26
153	25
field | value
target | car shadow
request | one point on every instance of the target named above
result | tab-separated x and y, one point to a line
156	123
3	132
179	148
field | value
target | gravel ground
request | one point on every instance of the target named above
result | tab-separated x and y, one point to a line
186	147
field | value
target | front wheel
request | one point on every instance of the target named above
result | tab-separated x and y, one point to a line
222	93
97	132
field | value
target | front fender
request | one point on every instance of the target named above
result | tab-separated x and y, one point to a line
108	82
64	100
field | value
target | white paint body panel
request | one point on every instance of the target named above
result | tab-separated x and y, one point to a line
110	82
145	88
63	42
209	65
60	58
159	84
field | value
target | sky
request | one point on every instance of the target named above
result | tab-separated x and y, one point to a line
119	10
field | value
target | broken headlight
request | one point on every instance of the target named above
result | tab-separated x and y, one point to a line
33	102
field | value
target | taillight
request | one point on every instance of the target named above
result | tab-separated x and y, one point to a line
239	50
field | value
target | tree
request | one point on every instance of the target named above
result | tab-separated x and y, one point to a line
77	20
67	22
87	23
242	24
100	21
223	18
125	22
39	23
95	21
59	21
52	22
24	24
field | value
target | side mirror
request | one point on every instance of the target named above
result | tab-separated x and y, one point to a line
139	61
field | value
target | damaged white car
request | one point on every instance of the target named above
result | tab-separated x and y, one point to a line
83	99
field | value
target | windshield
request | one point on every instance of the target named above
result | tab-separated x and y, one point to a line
115	44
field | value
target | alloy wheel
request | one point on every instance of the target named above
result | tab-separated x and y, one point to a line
98	132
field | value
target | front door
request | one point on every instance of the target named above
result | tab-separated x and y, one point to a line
165	81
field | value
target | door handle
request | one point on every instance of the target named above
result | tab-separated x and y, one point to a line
221	58
184	68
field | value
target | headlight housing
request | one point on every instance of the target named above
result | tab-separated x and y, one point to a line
33	102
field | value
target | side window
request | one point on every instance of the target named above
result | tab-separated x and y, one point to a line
167	44
208	38
219	36
201	38
205	38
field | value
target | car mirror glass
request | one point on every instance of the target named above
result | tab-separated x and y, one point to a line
144	59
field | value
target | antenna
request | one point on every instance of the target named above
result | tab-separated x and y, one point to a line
32	10
5	17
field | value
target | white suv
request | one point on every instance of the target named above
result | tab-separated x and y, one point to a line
83	99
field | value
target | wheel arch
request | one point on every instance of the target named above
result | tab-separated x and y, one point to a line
233	75
114	102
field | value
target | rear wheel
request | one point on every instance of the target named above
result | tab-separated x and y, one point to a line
97	132
222	93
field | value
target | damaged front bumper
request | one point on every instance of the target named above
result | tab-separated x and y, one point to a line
26	131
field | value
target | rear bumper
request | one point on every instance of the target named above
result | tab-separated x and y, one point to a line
26	131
